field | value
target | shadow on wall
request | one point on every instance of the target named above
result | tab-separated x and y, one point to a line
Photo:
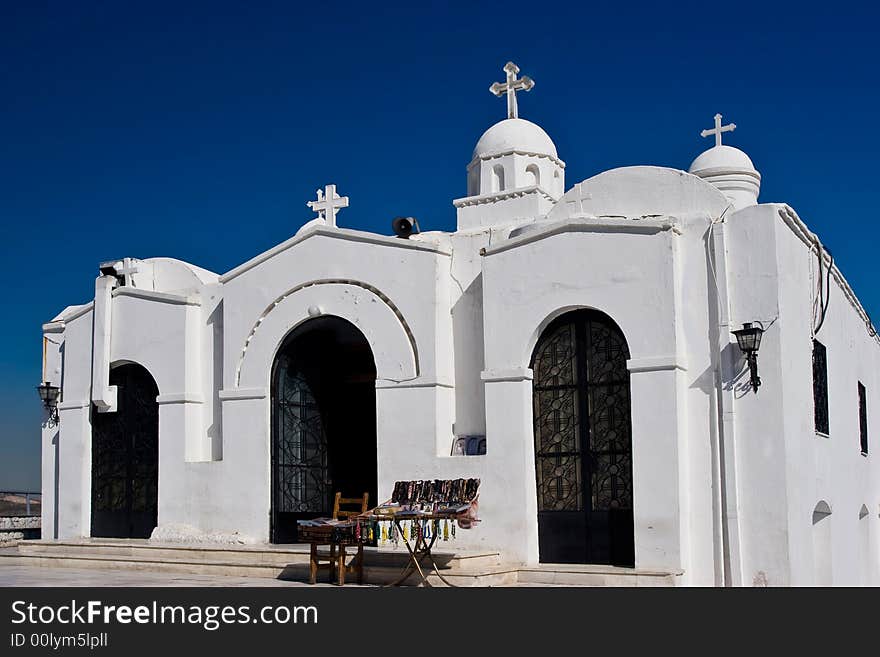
215	433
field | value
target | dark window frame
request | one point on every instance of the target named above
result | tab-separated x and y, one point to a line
821	420
863	418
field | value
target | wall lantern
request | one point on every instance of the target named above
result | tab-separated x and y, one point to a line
749	340
49	396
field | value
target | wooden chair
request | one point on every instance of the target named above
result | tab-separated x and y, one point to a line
335	559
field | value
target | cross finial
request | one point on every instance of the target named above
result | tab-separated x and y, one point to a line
511	86
718	129
328	204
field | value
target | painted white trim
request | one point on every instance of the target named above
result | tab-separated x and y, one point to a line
161	297
495	156
78	312
53	327
73	405
516	374
640	226
656	364
236	394
335	233
180	398
501	196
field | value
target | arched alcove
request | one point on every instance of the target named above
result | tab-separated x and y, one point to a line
498	178
822	564
125	457
533	175
323	410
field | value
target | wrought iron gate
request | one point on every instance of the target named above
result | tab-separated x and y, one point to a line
583	441
125	458
301	483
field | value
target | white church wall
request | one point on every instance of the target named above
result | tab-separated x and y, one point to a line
52	372
826	468
397	294
530	281
786	467
758	419
467	330
74	455
698	325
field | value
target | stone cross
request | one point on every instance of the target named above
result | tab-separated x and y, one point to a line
511	86
328	204
718	129
127	271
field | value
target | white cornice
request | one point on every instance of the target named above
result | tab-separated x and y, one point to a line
585	225
502	196
495	156
160	297
339	234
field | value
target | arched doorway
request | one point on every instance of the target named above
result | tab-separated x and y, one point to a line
323	422
583	441
125	458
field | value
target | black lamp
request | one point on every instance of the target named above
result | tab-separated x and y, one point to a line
749	340
49	396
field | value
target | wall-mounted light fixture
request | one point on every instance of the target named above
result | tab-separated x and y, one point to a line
749	340
49	396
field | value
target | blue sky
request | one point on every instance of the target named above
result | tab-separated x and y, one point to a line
199	130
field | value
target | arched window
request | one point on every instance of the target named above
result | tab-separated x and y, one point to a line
583	441
822	570
498	178
533	175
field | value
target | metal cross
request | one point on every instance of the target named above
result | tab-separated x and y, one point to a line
328	204
511	86
718	129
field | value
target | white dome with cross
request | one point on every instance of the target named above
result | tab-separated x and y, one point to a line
515	154
728	168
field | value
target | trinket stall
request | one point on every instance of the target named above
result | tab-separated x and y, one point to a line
418	514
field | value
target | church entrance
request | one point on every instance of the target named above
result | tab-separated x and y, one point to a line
125	458
583	441
323	422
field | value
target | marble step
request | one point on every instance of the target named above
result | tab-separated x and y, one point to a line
593	575
279	556
378	575
291	563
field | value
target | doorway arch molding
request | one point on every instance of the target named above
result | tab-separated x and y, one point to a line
370	311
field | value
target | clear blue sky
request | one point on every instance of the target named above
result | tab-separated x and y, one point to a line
199	131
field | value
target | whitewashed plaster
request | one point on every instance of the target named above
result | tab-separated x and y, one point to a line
726	481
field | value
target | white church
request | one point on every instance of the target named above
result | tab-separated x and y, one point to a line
572	347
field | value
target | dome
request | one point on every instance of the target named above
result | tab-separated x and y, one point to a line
514	135
722	157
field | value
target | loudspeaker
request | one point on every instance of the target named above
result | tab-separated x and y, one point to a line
404	226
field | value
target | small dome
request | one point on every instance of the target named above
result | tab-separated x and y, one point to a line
722	157
515	135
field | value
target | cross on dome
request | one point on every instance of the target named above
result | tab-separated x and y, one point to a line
511	86
128	269
328	204
718	129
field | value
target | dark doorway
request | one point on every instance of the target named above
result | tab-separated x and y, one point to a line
583	441
125	458
323	422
